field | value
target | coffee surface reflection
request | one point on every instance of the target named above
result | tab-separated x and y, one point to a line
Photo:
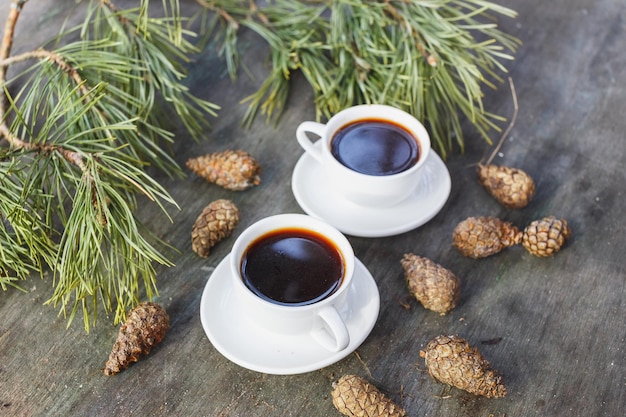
292	267
375	147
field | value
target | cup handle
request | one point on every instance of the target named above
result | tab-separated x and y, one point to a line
305	141
331	331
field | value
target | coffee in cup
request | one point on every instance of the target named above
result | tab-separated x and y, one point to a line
375	147
292	266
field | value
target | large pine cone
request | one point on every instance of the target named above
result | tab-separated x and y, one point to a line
512	187
451	360
216	222
545	237
353	396
434	286
233	170
145	327
479	237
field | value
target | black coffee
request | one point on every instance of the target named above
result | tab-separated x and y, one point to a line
375	147
292	267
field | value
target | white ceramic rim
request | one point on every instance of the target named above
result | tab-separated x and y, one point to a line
285	221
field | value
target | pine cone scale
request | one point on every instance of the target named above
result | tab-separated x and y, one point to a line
437	288
512	187
144	328
215	223
353	396
451	360
233	170
546	236
480	237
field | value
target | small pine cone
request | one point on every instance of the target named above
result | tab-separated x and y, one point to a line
144	328
545	237
479	237
233	170
216	222
353	396
434	286
512	187
451	360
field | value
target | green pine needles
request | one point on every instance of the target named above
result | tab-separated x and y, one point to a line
79	126
81	118
429	57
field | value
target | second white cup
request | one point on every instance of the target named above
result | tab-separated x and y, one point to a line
292	274
373	154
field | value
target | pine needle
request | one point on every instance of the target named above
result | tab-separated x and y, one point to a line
80	126
431	58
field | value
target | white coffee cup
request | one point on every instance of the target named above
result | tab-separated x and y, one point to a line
321	319
360	188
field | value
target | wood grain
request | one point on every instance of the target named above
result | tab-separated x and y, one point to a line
554	327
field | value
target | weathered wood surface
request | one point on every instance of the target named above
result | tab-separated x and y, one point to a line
561	320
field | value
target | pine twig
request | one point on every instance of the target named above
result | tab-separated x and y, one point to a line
73	157
53	57
7	43
9	30
509	127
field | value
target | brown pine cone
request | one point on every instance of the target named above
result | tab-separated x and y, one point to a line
546	236
512	187
437	288
451	360
479	237
233	170
144	328
216	222
355	397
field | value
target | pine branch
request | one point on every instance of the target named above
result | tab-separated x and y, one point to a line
432	58
25	244
79	128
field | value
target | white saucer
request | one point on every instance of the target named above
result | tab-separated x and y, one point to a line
247	345
318	198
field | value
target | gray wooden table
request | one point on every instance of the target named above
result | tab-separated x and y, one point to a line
559	323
